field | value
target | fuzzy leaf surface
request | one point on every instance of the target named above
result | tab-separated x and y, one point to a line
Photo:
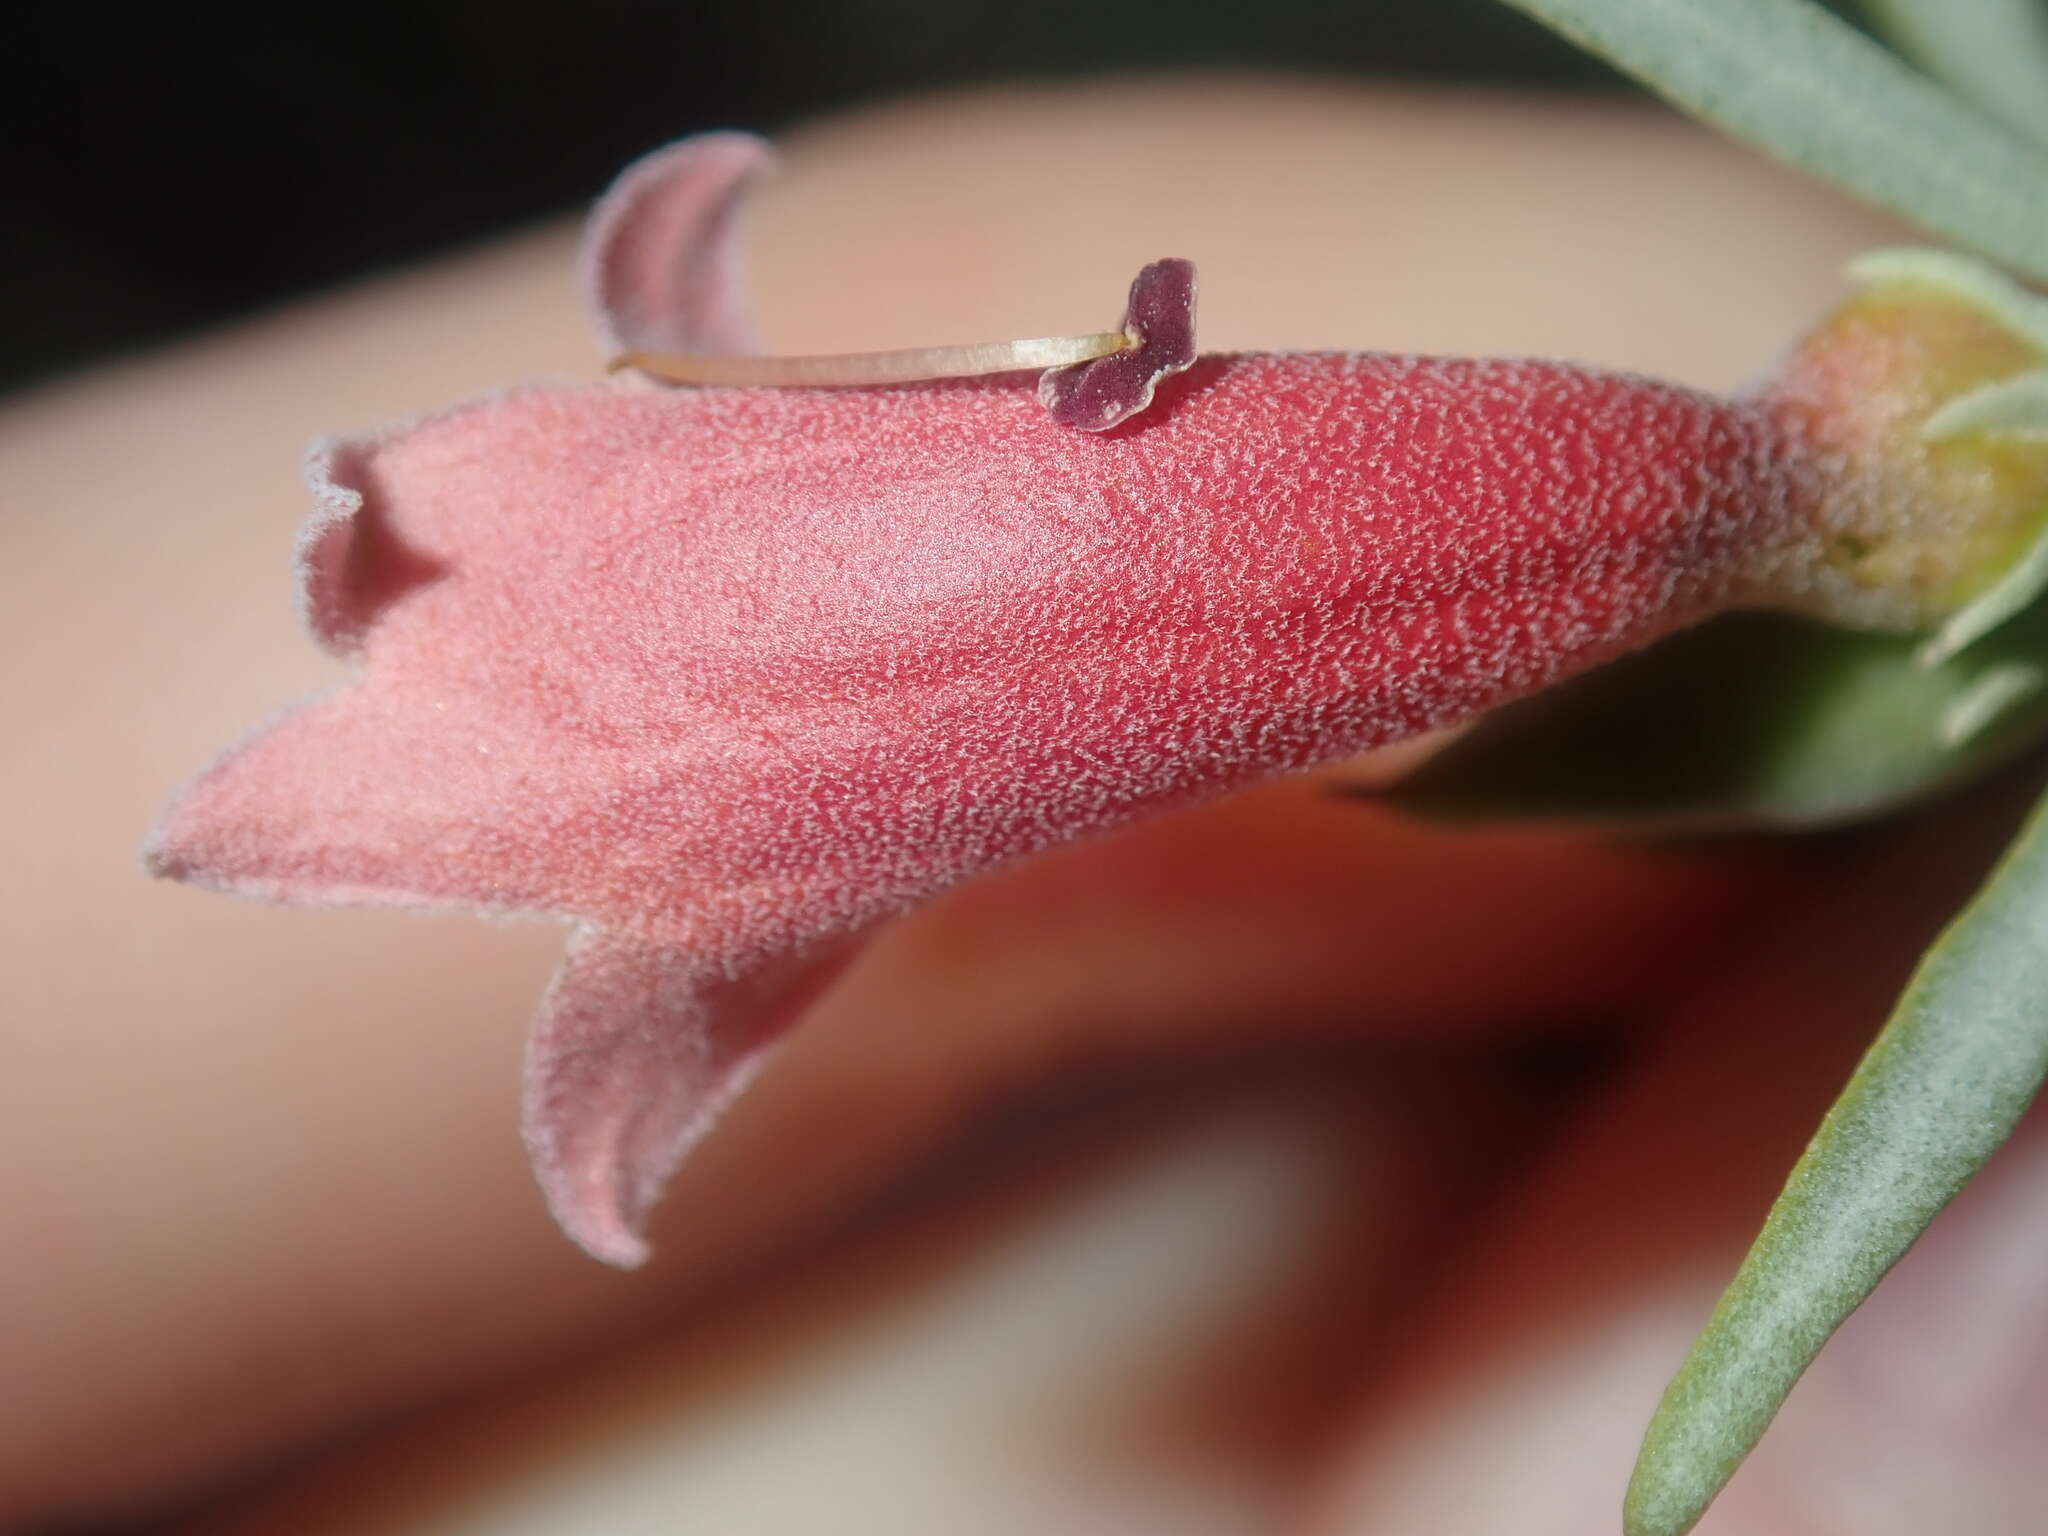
1938	1092
1805	86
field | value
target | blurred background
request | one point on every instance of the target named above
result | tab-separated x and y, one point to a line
141	205
1099	1246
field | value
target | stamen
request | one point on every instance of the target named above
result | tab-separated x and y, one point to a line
1090	382
852	368
1160	320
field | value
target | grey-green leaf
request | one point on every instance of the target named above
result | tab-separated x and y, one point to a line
1939	1090
1805	86
1993	51
1751	720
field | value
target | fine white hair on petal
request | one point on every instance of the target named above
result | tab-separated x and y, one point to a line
731	676
639	1048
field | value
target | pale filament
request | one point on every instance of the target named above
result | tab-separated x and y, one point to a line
898	367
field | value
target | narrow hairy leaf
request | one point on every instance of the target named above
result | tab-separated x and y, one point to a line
1938	1092
1807	87
1993	51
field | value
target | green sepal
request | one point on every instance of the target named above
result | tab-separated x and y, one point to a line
2014	407
1962	279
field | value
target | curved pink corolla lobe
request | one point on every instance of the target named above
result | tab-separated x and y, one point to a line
660	261
1160	315
350	565
728	677
637	1048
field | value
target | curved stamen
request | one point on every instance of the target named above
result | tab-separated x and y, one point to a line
904	366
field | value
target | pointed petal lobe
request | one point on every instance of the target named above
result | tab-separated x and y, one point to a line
638	1048
661	259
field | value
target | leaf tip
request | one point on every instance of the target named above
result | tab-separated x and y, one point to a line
1663	1499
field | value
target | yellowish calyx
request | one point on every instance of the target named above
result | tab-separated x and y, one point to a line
1931	383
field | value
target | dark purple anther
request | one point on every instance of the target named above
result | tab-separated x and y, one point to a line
1160	316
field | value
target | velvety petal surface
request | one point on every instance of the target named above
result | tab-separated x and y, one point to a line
741	673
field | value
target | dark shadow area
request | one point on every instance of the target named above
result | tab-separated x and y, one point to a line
167	167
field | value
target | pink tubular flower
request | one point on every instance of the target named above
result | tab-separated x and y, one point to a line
726	677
